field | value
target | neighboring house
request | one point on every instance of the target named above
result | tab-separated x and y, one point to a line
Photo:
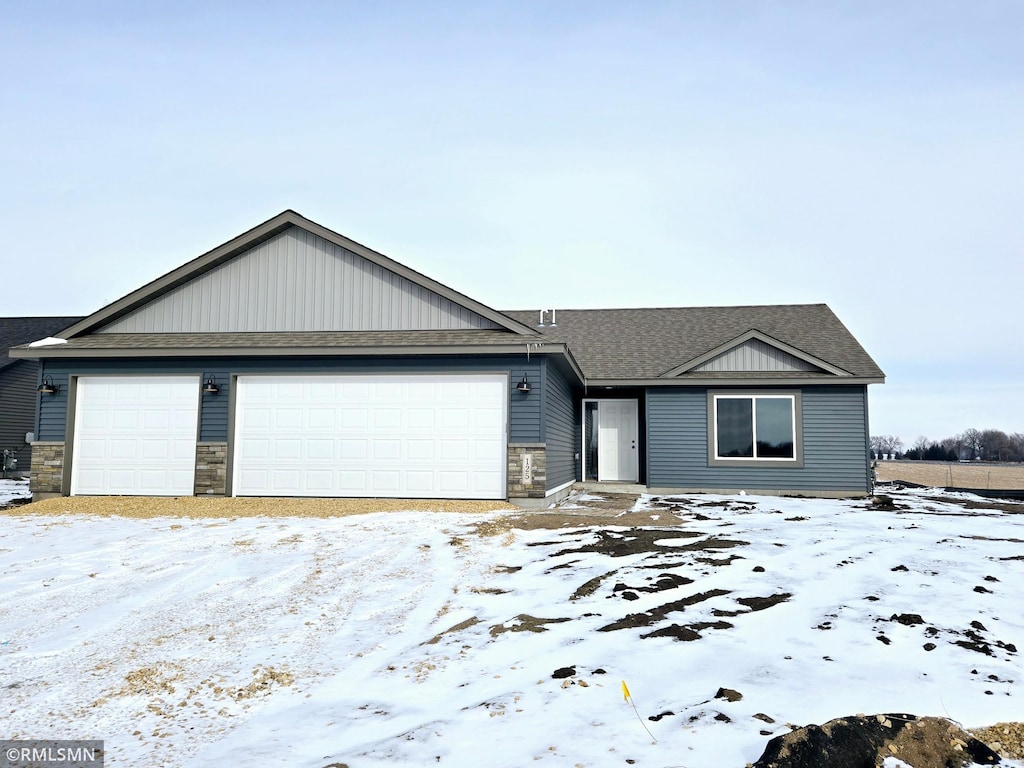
18	382
292	361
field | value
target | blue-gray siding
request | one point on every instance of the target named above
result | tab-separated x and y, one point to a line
18	410
560	427
834	445
297	281
525	422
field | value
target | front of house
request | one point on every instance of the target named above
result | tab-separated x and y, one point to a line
292	361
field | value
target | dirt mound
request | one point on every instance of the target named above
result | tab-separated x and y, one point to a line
865	741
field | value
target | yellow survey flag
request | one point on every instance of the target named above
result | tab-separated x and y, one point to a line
625	691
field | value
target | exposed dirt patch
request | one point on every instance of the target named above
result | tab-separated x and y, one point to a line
644	540
452	630
763	603
687	632
926	742
524	623
647	618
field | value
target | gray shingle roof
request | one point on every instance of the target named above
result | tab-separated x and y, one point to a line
608	344
615	344
25	330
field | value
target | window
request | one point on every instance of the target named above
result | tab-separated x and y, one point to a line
747	428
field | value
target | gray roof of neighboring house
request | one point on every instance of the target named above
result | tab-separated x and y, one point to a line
25	330
617	344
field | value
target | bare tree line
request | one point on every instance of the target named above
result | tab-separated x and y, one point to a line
969	445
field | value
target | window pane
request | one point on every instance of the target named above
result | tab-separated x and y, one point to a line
775	428
735	427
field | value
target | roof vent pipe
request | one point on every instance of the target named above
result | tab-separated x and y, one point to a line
543	312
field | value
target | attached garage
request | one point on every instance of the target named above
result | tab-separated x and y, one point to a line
135	435
400	436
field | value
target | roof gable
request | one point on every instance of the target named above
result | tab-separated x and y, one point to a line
754	352
290	274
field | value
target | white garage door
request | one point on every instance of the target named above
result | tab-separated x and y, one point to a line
430	436
135	435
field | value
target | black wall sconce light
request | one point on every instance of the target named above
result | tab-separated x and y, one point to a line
210	386
47	387
524	385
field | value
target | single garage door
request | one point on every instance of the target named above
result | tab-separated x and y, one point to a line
417	436
135	435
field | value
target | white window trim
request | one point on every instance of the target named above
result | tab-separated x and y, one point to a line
755	461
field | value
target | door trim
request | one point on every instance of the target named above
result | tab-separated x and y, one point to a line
635	438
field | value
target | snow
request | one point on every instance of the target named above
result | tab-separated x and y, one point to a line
13	489
49	341
412	639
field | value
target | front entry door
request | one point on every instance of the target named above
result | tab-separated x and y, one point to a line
616	444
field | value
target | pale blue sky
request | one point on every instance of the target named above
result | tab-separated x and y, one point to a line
868	155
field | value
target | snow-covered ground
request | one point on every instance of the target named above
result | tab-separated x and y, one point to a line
413	639
13	489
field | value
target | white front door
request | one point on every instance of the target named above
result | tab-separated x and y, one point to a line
135	435
616	441
388	435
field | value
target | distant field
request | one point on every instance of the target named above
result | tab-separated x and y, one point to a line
1002	477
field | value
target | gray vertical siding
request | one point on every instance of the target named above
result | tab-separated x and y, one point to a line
560	426
297	281
834	446
18	410
525	414
756	355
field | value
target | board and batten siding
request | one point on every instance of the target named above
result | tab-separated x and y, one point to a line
560	427
834	444
525	414
297	281
755	355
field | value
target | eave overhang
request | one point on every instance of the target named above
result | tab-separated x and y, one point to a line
65	352
749	381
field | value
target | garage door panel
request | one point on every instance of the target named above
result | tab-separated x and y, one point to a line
320	449
135	435
353	481
122	419
420	481
422	450
321	419
386	481
372	435
354	449
386	449
354	418
387	418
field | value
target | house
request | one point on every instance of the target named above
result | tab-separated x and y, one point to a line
18	381
293	361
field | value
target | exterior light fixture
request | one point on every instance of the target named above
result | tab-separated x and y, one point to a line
210	387
47	387
524	385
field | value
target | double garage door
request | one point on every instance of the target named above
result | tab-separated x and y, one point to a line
416	436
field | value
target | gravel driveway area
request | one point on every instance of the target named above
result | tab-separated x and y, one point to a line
227	507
